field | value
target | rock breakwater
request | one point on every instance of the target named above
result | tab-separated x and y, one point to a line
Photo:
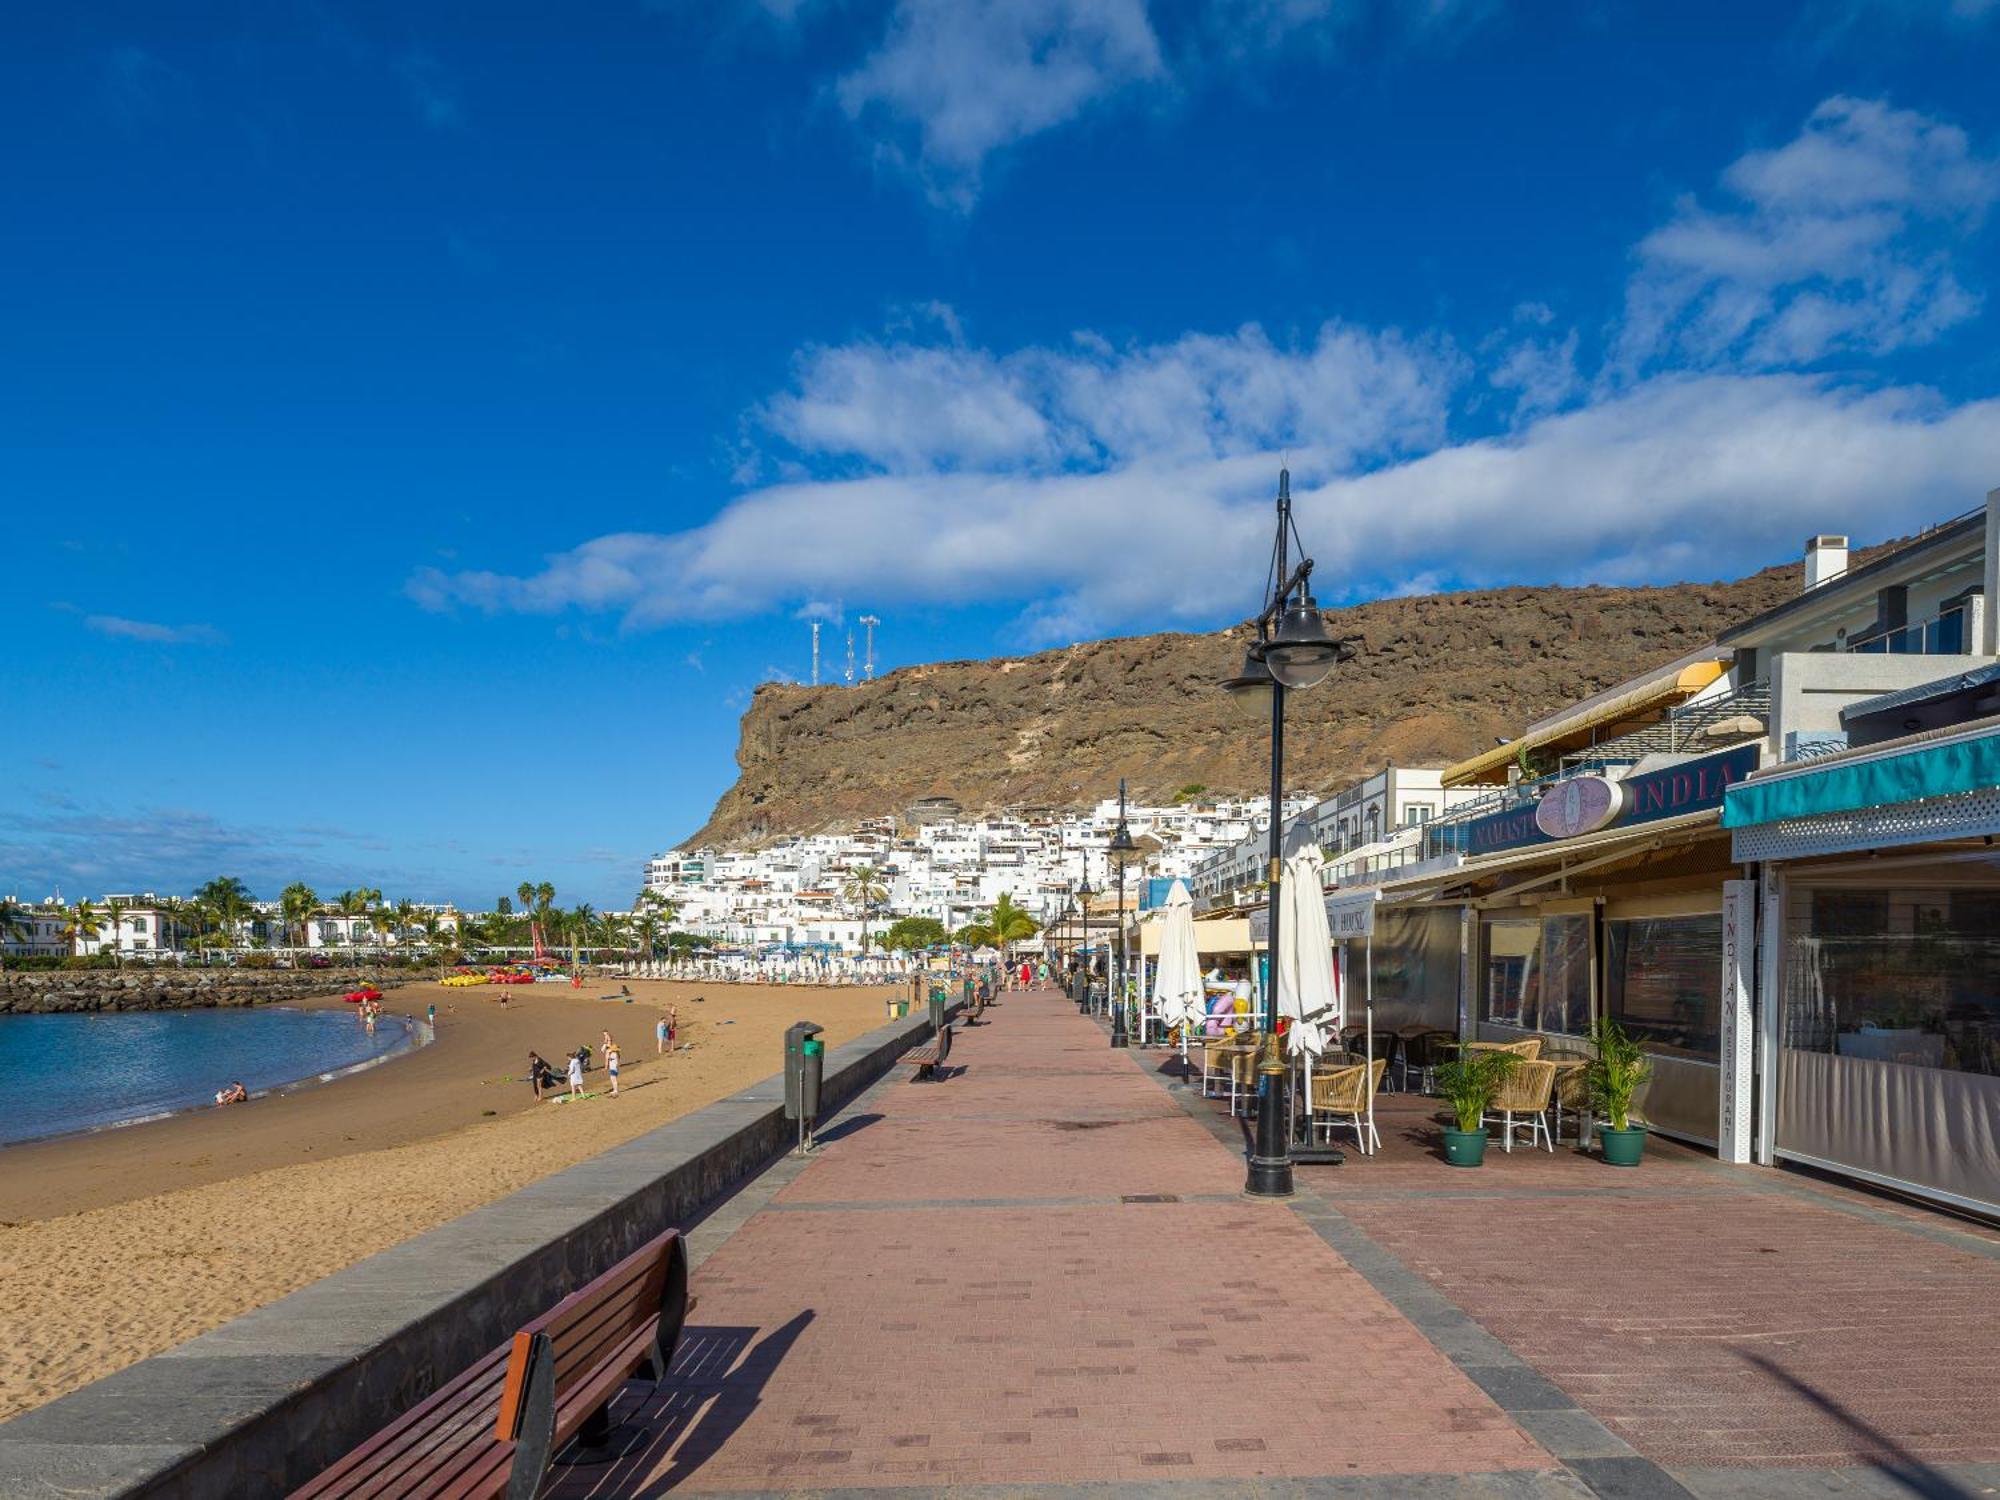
58	991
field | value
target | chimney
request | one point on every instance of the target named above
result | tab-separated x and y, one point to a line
1826	560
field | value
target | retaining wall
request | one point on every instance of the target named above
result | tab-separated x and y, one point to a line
262	1403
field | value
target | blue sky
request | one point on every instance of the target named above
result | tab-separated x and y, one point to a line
424	425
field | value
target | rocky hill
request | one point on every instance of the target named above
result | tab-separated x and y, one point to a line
1438	678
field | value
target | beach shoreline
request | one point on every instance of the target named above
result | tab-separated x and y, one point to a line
119	1244
419	1035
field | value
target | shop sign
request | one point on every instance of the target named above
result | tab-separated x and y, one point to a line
1691	786
1583	804
1352	916
1739	925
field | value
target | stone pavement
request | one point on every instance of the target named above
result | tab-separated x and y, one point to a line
1040	1275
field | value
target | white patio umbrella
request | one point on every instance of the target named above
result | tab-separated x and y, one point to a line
1308	990
1178	995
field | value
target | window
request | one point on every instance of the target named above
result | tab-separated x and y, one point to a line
1663	982
1537	973
1417	812
1905	975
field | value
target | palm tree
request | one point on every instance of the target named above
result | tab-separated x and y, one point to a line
297	902
383	920
227	897
82	926
864	890
114	914
579	930
526	892
14	926
1002	927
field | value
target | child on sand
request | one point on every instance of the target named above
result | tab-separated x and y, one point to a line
576	1075
660	1037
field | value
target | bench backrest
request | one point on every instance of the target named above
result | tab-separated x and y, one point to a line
944	1045
583	1329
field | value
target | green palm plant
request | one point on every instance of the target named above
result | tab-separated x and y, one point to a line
1617	1073
228	898
114	917
297	903
14	926
1002	927
579	928
82	926
864	890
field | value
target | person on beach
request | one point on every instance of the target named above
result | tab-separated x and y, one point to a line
234	1094
661	1035
611	1062
541	1077
576	1074
431	1014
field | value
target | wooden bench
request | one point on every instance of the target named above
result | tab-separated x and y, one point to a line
492	1430
929	1059
974	1009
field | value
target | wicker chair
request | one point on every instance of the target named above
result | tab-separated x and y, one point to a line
1420	1049
1527	1092
1527	1050
1243	1064
1217	1053
1344	1094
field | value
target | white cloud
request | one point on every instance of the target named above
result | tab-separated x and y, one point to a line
1841	244
1092	486
955	80
1680	476
123	629
910	407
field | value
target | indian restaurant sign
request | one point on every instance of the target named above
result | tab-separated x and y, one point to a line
1692	786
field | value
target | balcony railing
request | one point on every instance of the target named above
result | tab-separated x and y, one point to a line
1944	634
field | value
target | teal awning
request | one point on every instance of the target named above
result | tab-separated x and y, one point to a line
1930	771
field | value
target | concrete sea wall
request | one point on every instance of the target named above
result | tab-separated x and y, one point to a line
264	1402
159	987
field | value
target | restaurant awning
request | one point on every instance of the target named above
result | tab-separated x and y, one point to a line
1216	936
1851	783
1596	848
1672	684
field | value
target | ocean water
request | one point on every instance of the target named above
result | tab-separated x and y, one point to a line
79	1072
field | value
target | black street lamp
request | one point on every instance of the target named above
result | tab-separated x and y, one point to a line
1292	651
1083	895
1120	851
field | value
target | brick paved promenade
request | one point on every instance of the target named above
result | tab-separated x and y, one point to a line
1040	1274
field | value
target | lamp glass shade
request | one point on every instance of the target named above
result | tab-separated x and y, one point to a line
1122	846
1250	689
1300	652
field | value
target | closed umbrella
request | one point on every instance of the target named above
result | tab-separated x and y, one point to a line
1178	996
1308	991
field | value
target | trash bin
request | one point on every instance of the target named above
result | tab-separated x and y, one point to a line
796	1037
811	1073
937	1011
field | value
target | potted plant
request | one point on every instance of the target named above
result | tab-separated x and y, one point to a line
1468	1084
1617	1073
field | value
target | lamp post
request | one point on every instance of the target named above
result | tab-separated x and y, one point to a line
1120	850
1292	651
1083	895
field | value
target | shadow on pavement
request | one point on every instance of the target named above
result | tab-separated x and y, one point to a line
1918	1477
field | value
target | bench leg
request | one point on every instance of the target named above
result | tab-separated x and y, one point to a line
596	1429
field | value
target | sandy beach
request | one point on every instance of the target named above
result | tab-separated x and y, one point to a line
117	1245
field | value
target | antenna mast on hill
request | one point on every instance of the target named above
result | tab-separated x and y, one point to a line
815	626
850	656
868	664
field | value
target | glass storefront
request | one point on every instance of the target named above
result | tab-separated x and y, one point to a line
1535	973
1415	967
1889	1025
1904	974
1662	983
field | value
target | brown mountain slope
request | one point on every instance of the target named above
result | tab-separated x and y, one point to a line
1438	678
